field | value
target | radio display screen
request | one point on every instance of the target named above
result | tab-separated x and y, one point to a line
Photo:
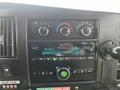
62	50
59	49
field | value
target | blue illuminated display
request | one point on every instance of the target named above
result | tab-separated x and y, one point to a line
59	52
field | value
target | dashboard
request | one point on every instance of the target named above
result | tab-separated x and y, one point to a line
46	48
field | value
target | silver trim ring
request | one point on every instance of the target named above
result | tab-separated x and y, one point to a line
68	32
64	24
63	69
46	29
114	49
88	29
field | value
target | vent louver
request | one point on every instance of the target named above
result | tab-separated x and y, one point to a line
7	37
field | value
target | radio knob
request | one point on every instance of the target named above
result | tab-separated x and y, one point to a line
85	30
90	48
63	73
43	30
64	29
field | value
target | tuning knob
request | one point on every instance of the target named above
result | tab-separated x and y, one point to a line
90	48
64	29
63	73
43	30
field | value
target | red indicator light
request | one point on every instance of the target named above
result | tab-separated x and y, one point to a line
65	88
57	88
61	88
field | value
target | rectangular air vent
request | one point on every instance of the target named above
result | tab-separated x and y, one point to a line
7	37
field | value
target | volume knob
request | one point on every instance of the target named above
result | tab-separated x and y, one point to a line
63	73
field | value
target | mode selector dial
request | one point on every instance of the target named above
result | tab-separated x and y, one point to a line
43	30
63	73
64	29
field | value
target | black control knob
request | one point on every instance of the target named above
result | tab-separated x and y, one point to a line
90	48
63	73
64	29
43	30
116	52
85	30
109	50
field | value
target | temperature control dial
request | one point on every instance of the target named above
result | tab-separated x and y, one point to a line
63	73
64	29
43	30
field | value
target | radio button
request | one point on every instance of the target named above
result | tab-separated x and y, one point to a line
74	71
15	86
81	71
91	58
43	73
4	86
34	73
76	88
90	70
51	73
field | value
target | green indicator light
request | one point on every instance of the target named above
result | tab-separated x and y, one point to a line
49	88
64	74
40	89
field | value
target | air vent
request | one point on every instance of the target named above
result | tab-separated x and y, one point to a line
7	37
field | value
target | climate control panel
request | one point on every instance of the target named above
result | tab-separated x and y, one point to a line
62	29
